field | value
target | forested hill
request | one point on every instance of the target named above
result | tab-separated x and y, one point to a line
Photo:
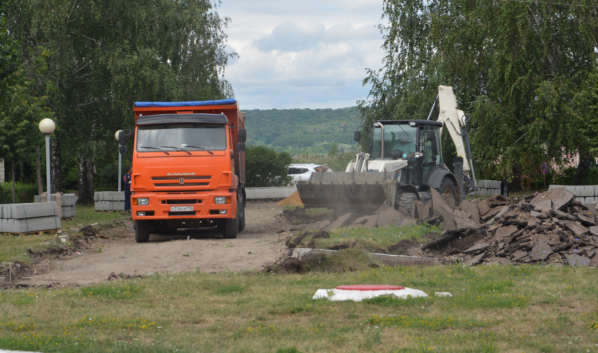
302	130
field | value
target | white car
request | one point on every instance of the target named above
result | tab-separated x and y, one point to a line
302	171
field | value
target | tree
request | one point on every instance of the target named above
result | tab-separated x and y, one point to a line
520	68
93	59
265	167
20	113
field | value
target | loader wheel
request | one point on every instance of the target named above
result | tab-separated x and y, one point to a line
448	191
241	212
406	200
141	231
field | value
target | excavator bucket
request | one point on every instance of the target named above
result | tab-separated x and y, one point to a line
347	191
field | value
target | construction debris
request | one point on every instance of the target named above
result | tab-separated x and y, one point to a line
548	228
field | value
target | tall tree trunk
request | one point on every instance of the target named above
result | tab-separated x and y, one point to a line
56	166
14	191
585	161
85	180
38	168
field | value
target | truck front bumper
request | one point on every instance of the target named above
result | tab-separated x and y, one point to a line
191	205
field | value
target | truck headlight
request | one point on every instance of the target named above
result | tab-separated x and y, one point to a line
221	199
141	202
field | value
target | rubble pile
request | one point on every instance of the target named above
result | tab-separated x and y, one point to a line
550	228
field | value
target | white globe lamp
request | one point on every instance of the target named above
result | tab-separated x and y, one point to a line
47	127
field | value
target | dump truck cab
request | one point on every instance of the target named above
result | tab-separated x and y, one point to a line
188	167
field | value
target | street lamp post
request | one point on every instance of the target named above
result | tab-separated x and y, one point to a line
47	127
120	160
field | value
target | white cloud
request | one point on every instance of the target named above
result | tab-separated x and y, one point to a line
308	54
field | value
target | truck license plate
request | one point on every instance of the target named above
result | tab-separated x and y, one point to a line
181	208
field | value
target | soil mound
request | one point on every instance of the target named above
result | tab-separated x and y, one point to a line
292	200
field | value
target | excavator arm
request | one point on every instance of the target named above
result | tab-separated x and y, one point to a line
455	122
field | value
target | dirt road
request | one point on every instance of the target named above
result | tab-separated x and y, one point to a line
205	250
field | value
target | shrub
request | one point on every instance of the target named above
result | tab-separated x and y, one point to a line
24	192
265	167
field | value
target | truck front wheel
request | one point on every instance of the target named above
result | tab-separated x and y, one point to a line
230	226
141	231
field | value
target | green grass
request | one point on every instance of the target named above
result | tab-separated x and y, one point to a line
199	312
114	291
230	289
86	215
371	238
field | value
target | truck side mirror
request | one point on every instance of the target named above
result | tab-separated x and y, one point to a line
122	138
124	149
431	135
242	135
240	147
357	136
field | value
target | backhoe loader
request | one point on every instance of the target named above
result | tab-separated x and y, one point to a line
402	162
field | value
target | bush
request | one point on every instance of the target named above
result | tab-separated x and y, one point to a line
592	177
265	167
24	192
564	176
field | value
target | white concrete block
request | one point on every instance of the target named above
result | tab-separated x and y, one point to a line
32	210
569	188
590	200
581	199
33	224
595	190
112	196
267	193
586	190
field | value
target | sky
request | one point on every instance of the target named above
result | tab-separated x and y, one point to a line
302	53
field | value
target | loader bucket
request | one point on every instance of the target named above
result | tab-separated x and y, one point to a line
347	191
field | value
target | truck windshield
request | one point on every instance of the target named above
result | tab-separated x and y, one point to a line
188	137
399	141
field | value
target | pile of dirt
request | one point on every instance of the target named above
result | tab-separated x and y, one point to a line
293	200
345	260
551	228
303	216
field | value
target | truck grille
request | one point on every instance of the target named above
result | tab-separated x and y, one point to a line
186	184
174	181
193	177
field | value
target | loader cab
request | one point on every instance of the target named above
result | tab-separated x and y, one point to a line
416	141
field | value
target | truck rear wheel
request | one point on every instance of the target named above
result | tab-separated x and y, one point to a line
141	231
241	212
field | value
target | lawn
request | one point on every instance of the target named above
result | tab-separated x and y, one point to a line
494	309
18	245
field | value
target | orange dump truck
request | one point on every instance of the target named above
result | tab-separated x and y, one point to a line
188	167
